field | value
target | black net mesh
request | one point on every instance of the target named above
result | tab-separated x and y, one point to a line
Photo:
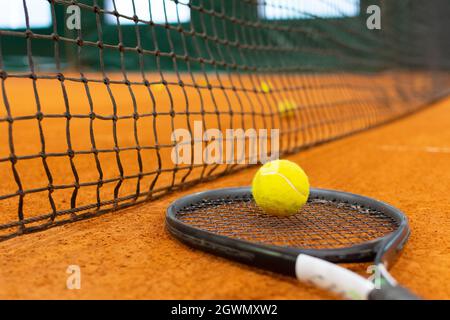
86	114
320	224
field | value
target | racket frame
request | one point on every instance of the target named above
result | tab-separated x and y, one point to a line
382	251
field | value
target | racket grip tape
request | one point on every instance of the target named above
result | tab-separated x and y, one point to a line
392	293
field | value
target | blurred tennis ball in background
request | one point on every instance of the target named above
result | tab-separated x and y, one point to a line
158	87
266	86
287	108
280	188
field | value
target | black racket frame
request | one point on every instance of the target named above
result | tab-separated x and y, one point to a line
282	259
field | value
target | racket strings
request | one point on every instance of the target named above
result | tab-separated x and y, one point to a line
319	224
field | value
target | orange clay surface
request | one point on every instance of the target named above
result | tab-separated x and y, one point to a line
129	255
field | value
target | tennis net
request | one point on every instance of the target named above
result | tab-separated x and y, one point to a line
90	100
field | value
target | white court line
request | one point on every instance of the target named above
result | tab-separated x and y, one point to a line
428	149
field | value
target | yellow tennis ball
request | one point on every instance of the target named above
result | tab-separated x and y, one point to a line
266	87
280	188
158	87
287	108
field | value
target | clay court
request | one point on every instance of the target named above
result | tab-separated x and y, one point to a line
128	254
86	164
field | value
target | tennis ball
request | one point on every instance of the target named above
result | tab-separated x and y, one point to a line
280	188
158	87
266	86
287	108
202	82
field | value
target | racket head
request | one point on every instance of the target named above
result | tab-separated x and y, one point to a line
335	226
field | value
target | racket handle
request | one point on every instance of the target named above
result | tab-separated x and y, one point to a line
392	293
331	277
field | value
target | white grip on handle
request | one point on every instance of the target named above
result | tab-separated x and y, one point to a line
331	277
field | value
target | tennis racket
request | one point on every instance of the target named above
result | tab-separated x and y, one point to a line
333	227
